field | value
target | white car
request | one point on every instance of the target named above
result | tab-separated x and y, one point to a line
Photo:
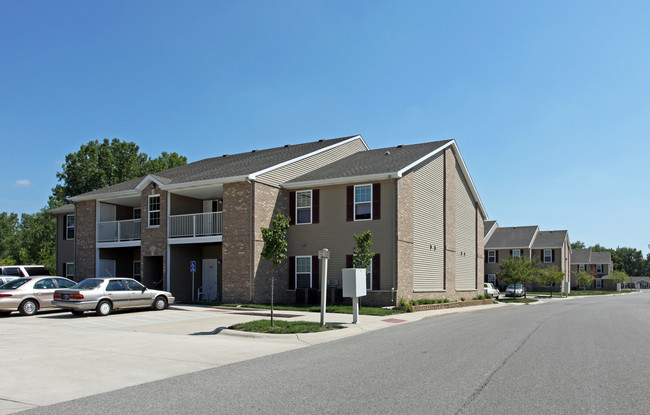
488	288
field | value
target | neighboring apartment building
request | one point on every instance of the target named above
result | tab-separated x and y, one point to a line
418	200
544	248
598	264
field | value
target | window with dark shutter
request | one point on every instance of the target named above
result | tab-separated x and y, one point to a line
376	272
350	203
292	273
315	206
315	271
376	201
292	208
348	261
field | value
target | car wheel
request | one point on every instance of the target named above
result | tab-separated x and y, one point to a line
104	308
160	303
77	312
28	308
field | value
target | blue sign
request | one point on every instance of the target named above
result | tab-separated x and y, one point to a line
192	266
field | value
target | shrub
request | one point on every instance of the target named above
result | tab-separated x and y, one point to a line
462	298
406	305
446	300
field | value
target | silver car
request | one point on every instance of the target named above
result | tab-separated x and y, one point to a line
27	295
515	290
107	294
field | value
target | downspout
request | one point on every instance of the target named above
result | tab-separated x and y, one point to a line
395	249
251	242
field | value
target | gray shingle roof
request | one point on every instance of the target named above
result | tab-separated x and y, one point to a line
511	237
226	166
580	256
371	162
487	225
549	239
601	257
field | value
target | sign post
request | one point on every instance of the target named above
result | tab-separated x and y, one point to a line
323	255
193	270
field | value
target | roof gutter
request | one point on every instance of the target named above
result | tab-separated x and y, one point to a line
341	180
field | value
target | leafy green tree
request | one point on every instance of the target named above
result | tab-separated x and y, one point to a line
584	278
578	245
548	276
619	277
100	164
629	260
37	239
9	238
275	247
362	256
517	270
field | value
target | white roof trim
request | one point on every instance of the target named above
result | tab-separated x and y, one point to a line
253	176
106	196
203	183
340	180
148	180
433	153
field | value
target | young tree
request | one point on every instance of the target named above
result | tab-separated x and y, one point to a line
577	245
98	165
584	278
619	277
362	256
549	276
275	248
516	271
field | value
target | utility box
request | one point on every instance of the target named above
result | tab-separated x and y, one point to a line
354	282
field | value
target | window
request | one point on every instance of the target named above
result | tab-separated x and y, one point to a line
15	271
137	213
492	257
516	253
303	207
599	268
69	227
137	267
581	267
599	283
69	270
134	285
154	210
363	202
115	285
492	279
548	255
303	272
45	284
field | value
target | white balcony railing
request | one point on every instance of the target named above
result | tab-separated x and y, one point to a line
196	225
118	231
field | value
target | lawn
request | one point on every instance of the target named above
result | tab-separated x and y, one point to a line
577	293
283	327
517	300
343	309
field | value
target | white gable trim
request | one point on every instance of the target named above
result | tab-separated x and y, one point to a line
145	182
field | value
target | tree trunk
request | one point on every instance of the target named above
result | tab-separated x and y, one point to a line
272	290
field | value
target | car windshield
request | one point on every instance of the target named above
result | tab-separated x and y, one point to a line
89	284
31	271
12	285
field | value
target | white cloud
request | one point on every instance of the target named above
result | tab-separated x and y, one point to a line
23	182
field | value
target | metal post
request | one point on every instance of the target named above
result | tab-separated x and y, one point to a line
355	310
324	257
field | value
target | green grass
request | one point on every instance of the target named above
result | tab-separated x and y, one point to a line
517	300
579	292
343	309
283	327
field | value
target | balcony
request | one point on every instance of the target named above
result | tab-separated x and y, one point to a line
195	226
118	231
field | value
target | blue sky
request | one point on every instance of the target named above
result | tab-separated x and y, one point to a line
549	102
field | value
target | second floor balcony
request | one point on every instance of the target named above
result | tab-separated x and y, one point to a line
119	231
195	225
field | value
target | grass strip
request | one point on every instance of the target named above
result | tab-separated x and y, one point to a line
283	327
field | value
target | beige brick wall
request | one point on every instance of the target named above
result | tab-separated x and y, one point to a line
236	242
85	252
154	239
450	225
405	238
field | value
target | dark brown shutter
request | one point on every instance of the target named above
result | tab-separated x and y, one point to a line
292	272
553	255
376	272
511	253
292	208
348	261
350	203
376	201
315	271
485	256
315	206
496	254
542	252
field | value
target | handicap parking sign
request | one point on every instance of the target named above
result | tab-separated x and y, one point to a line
192	266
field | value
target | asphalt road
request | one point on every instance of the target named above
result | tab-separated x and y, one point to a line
578	356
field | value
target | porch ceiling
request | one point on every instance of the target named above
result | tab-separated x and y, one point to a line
202	193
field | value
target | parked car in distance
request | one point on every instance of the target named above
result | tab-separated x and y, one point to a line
23	270
488	288
6	278
27	295
515	290
107	294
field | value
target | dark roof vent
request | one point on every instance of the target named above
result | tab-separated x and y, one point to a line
321	140
400	146
224	155
253	151
287	145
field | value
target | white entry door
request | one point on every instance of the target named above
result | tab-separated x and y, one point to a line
106	268
210	279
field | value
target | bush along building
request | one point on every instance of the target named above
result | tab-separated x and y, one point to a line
418	201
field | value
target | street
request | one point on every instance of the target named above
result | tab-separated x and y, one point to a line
582	355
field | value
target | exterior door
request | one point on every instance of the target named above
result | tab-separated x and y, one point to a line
210	279
106	268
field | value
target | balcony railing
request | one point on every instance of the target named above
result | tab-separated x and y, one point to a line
196	225
118	231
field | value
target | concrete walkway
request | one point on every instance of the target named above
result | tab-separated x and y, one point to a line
56	357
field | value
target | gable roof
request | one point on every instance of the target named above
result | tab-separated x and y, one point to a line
550	239
587	256
488	227
226	168
512	237
381	164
